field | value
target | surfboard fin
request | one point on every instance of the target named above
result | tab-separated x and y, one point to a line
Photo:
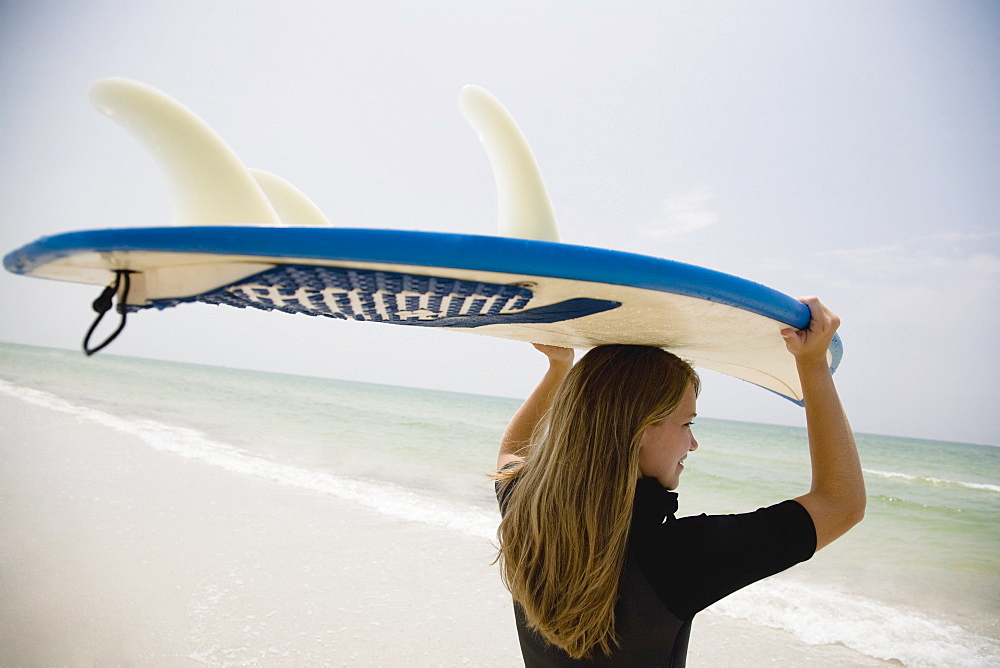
210	184
290	203
524	208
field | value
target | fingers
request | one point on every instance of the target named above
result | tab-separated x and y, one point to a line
555	353
814	338
822	319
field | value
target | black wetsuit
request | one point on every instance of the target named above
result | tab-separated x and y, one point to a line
675	568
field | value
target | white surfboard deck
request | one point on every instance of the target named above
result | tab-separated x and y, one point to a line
536	291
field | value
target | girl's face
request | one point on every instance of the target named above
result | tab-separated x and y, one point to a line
665	444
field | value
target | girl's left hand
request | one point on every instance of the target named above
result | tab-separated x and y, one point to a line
556	354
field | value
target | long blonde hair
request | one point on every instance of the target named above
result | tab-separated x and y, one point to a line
565	528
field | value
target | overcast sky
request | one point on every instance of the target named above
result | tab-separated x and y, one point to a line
845	149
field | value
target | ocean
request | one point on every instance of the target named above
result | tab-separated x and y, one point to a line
917	582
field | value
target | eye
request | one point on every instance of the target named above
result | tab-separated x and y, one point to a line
689	425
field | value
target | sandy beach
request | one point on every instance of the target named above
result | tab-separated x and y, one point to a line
113	553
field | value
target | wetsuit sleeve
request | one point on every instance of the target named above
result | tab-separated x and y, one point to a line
503	488
693	562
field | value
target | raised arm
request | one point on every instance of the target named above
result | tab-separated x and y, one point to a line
836	500
523	423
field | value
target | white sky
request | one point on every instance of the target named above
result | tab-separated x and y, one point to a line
845	149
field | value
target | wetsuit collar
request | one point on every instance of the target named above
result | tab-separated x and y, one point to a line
653	502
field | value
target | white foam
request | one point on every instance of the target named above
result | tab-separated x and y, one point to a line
382	497
936	481
820	616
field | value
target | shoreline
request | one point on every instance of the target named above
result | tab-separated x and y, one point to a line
116	553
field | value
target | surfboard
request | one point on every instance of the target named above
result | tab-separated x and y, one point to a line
529	290
525	285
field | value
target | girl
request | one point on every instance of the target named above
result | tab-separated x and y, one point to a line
600	570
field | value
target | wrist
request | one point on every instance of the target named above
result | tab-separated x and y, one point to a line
812	363
563	364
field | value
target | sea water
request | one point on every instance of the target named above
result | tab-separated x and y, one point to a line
918	581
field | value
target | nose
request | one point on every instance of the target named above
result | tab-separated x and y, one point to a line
694	444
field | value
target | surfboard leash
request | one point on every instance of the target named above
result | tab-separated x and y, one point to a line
103	304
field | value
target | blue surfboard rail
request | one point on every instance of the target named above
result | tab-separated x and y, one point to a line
429	249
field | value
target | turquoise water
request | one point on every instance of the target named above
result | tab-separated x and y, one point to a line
918	581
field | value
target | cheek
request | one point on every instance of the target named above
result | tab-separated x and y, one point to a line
644	456
649	455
